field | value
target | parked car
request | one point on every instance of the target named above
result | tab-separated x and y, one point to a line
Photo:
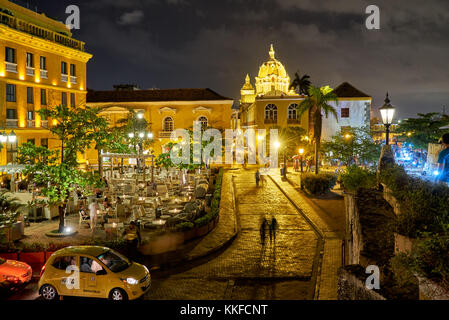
93	271
14	272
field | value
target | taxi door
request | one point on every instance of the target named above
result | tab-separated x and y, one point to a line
88	278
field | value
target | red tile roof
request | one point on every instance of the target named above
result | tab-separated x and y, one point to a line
346	90
154	95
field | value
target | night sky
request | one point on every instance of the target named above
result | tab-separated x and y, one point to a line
214	43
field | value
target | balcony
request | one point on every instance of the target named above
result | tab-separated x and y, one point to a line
37	31
11	67
44	124
73	79
64	78
293	121
12	123
164	134
30	71
44	74
271	121
31	124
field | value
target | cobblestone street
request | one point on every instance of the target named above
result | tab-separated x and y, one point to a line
282	269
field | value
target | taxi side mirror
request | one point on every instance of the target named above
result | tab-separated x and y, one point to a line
101	272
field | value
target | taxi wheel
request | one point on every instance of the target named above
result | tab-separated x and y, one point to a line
118	294
48	292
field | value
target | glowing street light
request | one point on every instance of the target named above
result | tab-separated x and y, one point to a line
3	137
277	144
150	135
301	153
140	115
348	136
387	113
142	135
12	137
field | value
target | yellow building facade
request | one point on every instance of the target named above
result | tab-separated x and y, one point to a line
164	110
41	65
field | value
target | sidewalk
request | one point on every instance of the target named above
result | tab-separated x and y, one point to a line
327	214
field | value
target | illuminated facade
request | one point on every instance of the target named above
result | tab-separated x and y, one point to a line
271	103
41	65
165	110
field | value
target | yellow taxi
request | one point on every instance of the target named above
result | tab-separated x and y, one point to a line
93	271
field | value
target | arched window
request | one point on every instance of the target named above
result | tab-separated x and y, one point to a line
293	111
204	122
168	124
271	112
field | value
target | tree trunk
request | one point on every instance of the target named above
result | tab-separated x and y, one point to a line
317	133
62	209
100	164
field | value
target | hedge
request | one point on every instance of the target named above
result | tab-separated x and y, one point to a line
355	178
424	205
318	183
215	205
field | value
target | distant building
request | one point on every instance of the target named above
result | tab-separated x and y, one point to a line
270	103
42	65
164	109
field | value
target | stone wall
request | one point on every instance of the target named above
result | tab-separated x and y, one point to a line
353	230
351	285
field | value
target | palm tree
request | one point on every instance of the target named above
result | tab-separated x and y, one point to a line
317	101
301	84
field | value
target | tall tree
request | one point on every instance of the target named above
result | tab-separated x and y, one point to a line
317	101
58	169
301	83
352	146
423	130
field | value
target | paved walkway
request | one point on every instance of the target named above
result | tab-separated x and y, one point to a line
247	269
327	214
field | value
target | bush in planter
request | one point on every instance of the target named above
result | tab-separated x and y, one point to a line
184	226
424	205
318	183
9	213
355	177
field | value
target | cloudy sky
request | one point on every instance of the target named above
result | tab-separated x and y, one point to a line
214	43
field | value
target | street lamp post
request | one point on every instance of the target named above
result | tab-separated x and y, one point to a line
387	113
301	153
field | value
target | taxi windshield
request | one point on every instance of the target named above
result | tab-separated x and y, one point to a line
114	261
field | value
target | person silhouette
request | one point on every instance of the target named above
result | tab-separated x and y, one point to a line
272	228
263	227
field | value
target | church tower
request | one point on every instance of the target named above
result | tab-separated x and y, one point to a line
248	94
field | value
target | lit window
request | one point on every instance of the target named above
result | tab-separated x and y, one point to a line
293	111
271	112
168	124
30	60
345	112
204	122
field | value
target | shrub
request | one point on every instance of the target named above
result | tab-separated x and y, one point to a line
424	205
184	226
318	183
354	178
215	205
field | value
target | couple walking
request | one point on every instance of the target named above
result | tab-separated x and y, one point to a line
272	227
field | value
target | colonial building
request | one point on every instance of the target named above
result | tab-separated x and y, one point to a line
270	103
165	110
42	65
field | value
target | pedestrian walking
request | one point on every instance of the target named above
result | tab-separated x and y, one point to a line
273	226
263	227
257	177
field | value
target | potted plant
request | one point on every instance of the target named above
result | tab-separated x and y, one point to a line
10	227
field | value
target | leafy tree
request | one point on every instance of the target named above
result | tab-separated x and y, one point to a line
9	211
57	169
317	102
352	146
301	83
423	130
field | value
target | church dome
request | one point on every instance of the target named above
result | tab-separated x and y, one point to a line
272	67
272	76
